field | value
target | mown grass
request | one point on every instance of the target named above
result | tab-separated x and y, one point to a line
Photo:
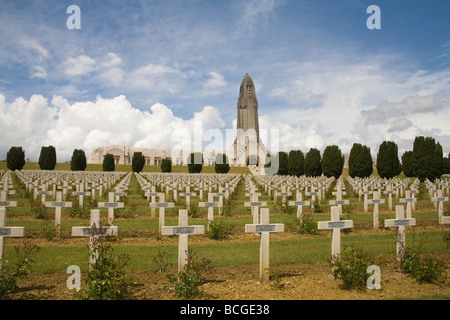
57	258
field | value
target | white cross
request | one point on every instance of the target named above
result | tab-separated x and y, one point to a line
255	207
94	232
365	192
183	230
440	199
338	202
4	202
111	205
400	222
58	204
389	192
299	203
81	193
409	200
264	229
375	203
188	194
335	225
210	205
7	232
161	205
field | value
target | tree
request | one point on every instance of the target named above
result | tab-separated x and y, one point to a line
137	162
221	164
313	165
446	165
296	163
15	158
47	158
282	163
166	165
108	163
360	163
427	158
388	164
195	162
332	162
408	163
78	161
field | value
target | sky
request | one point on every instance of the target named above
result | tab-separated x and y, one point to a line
136	72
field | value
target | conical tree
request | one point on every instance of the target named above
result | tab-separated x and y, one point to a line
388	164
78	161
108	163
47	158
427	158
360	163
137	162
282	163
313	165
15	158
408	163
296	163
332	162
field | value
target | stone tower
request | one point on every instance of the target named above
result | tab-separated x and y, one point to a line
247	146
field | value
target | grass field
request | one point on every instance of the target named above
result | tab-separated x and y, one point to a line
138	232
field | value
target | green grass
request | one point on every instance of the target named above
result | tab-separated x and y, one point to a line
57	259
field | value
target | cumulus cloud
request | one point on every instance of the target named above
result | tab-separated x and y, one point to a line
91	124
215	80
79	66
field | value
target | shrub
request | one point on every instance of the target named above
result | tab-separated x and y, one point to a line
186	282
427	159
195	162
15	158
218	230
282	163
332	162
137	162
296	163
106	279
388	164
307	225
351	267
221	164
47	158
423	270
11	271
78	161
108	163
166	165
313	164
360	163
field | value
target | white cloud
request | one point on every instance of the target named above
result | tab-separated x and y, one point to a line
79	66
39	72
91	124
215	80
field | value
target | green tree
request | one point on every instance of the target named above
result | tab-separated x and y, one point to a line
137	162
195	162
15	158
408	163
360	163
282	163
427	158
78	161
221	164
332	161
388	164
446	165
296	163
47	158
313	163
108	162
166	165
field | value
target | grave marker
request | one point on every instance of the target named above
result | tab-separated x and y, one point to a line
58	204
400	223
264	229
111	205
94	232
440	199
162	206
336	224
210	205
183	230
7	232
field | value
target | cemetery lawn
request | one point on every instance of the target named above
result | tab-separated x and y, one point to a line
299	263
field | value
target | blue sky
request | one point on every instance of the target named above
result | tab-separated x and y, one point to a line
138	70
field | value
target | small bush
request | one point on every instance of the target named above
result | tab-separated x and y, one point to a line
106	279
218	230
186	282
423	270
308	225
351	267
11	271
162	260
